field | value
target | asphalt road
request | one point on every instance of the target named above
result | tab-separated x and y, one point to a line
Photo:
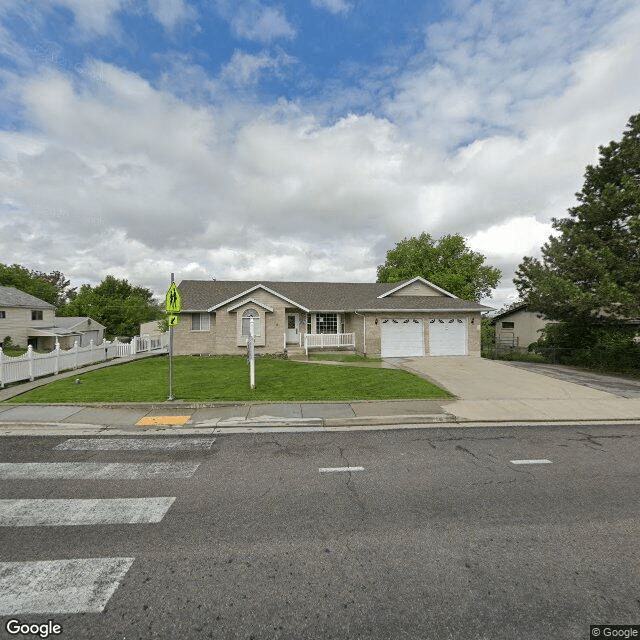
433	533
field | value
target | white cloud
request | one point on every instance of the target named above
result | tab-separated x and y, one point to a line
246	69
141	180
252	20
93	16
170	13
333	6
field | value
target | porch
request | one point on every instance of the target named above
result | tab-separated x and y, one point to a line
329	341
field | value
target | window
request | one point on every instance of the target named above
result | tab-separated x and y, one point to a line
3	314
200	322
508	325
250	313
36	315
327	323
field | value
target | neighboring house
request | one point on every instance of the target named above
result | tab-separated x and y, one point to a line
519	327
412	318
22	315
80	328
29	320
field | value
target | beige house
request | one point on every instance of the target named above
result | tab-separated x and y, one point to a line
28	320
412	318
518	327
23	315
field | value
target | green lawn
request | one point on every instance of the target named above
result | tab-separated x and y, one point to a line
226	378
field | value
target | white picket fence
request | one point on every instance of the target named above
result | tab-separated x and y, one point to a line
33	365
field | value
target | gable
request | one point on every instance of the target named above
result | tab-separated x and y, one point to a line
258	296
417	287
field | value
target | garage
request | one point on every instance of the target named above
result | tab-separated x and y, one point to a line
448	337
401	338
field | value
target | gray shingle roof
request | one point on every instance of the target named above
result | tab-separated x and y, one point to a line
12	297
203	295
69	322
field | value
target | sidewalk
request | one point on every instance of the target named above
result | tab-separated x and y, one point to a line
489	392
311	415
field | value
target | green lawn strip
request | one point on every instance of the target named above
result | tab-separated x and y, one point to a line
226	378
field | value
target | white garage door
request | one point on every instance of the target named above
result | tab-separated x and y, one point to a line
401	338
448	337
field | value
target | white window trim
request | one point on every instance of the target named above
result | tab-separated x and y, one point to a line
257	326
207	323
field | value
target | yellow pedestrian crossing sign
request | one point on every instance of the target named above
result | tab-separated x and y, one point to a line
173	320
173	303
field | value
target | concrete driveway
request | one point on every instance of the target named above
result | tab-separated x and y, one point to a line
490	389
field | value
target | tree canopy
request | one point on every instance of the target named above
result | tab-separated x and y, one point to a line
51	287
118	305
590	272
447	263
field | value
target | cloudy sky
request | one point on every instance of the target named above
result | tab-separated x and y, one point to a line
299	139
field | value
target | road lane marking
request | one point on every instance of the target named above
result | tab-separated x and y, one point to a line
338	469
66	512
96	470
134	444
542	461
164	420
60	586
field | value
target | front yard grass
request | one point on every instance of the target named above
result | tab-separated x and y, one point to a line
226	378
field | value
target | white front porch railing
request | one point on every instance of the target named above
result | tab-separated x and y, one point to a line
331	340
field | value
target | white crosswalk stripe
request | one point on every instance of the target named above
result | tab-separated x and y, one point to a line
60	586
95	470
135	444
83	585
61	512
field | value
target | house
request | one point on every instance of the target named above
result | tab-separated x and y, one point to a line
22	315
28	320
518	327
80	328
411	318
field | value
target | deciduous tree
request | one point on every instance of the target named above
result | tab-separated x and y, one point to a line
51	287
447	263
118	305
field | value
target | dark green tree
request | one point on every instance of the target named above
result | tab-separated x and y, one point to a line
447	263
117	304
51	287
589	273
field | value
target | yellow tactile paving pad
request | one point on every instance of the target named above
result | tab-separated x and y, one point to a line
148	421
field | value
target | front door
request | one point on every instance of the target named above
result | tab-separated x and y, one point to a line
292	328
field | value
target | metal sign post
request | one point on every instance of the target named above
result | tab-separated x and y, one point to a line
252	355
173	305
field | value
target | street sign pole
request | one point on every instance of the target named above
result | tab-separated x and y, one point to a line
252	355
173	306
171	358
